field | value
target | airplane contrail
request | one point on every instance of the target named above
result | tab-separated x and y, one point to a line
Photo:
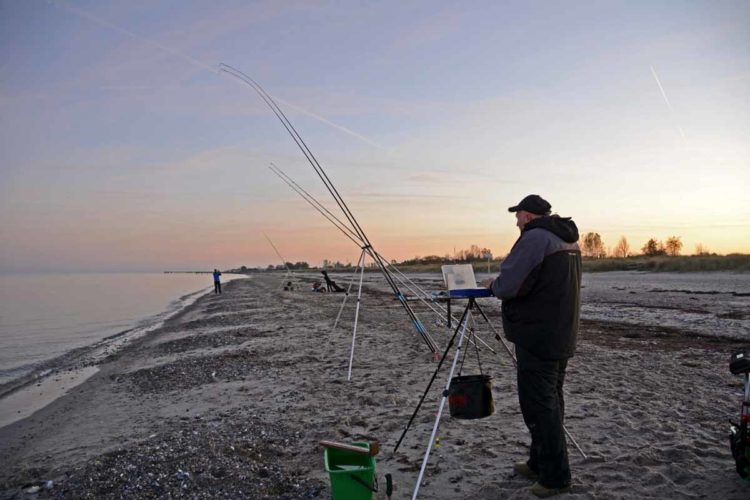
663	94
103	22
328	122
200	64
666	100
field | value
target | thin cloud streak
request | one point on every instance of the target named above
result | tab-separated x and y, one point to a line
102	22
328	122
213	68
409	196
663	94
666	100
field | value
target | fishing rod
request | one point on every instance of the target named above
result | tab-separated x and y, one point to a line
350	234
334	192
312	160
317	205
342	227
277	253
295	137
403	279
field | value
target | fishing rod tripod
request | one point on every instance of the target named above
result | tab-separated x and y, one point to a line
418	292
352	223
366	250
472	295
460	327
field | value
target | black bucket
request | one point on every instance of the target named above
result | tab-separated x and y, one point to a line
470	397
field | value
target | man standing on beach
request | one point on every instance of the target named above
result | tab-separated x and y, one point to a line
217	281
539	284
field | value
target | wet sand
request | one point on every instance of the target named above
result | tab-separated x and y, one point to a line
23	402
230	398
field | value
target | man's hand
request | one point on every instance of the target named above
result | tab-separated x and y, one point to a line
486	283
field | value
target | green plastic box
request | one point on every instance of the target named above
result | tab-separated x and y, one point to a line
352	474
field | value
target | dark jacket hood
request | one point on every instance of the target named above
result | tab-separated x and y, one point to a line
564	227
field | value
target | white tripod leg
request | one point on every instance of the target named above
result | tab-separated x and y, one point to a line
440	410
356	315
348	289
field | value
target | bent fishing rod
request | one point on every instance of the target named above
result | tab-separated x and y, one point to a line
403	279
347	231
283	261
297	138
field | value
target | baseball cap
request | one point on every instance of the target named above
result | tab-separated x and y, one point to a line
533	203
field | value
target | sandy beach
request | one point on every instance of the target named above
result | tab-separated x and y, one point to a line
230	398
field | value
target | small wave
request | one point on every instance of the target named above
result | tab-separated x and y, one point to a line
18	371
11	379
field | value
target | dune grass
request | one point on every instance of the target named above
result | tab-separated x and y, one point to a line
679	264
738	263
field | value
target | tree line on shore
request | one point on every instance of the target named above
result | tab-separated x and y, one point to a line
654	255
593	246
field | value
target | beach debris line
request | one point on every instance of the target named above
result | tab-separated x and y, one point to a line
352	221
230	455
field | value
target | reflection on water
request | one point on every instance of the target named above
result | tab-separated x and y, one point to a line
45	315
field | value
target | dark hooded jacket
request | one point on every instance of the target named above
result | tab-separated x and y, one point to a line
540	286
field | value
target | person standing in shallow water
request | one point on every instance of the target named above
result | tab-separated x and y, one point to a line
217	281
540	286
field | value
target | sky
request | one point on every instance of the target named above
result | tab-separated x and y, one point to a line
124	148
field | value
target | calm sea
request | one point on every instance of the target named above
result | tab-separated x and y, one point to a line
45	315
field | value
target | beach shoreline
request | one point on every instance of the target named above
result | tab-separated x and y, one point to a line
44	327
230	396
53	378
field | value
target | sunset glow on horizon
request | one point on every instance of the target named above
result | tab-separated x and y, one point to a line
124	148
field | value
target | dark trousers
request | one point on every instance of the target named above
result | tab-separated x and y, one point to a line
540	392
217	287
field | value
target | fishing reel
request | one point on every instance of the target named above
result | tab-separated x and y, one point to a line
739	435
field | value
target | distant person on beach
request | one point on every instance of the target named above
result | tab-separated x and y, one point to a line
331	285
217	281
540	285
